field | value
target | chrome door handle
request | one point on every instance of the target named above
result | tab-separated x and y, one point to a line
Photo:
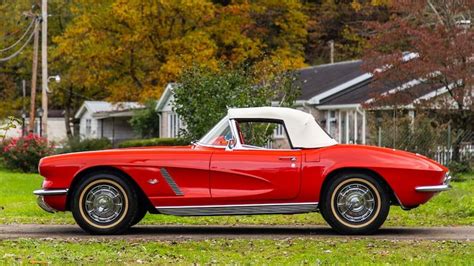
289	158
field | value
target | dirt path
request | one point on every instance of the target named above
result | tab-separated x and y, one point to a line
173	232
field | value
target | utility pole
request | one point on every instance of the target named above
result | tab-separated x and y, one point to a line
34	69
23	108
44	66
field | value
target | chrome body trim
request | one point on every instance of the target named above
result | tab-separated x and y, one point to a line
166	175
50	192
240	209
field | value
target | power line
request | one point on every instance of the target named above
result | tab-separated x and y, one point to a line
22	47
21	38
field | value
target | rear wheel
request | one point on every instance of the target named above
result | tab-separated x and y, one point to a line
104	203
355	203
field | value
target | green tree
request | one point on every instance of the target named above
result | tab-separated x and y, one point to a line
203	95
146	122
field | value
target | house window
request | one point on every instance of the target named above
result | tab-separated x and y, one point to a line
174	125
88	126
279	131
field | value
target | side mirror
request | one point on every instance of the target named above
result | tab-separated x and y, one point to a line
230	142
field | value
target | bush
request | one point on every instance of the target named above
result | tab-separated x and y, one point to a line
146	122
203	95
24	153
456	168
77	145
154	142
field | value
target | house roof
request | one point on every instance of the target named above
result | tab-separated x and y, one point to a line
106	108
367	92
320	79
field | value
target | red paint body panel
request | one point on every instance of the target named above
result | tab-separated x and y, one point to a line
213	176
252	175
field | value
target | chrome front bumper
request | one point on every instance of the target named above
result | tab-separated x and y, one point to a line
445	186
43	205
53	192
50	192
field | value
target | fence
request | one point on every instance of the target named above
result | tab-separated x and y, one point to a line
444	155
424	136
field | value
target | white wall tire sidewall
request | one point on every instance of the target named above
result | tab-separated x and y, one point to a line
89	186
372	216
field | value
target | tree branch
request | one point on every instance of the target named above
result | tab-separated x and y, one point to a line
440	19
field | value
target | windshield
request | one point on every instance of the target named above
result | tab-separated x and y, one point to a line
218	134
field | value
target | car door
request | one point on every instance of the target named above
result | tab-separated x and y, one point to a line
260	169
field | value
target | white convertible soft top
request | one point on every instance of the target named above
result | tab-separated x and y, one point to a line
303	130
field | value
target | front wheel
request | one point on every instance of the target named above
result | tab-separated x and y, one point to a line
104	203
355	203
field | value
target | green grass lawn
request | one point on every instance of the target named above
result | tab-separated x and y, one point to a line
454	207
223	251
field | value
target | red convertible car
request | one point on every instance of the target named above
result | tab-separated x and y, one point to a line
265	160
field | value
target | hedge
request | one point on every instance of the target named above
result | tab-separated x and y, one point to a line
77	145
154	142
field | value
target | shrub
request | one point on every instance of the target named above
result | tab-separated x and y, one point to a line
24	153
203	95
77	145
456	168
154	142
146	122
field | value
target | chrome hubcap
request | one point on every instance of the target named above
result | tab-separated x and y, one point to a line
104	203
355	202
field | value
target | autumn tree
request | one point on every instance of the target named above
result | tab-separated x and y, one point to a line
439	37
342	22
133	48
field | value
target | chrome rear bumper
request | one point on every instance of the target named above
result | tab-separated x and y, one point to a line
433	188
445	186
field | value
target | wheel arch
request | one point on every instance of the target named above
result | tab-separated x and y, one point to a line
332	174
114	170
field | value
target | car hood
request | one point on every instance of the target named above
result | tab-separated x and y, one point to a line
116	152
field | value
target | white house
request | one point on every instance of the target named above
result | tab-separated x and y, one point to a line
100	119
170	124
